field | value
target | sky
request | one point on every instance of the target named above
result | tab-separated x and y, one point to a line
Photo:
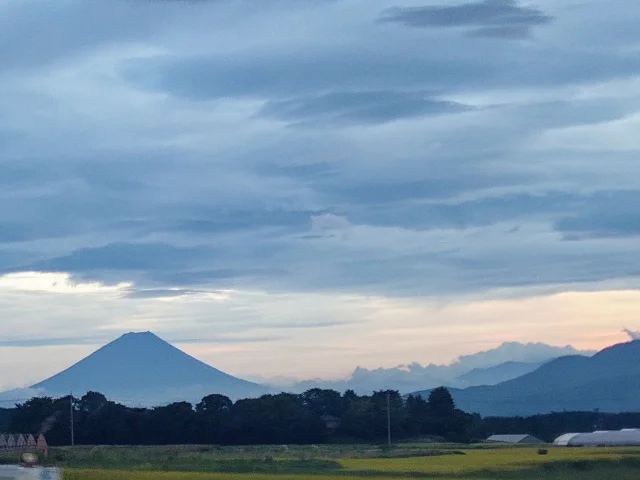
296	187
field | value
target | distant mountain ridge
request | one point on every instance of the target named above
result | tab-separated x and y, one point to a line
508	360
141	368
608	381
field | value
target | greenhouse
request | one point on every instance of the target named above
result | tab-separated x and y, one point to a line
613	438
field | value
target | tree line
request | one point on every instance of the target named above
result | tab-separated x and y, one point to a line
313	417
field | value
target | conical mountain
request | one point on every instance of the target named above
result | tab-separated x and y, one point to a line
143	369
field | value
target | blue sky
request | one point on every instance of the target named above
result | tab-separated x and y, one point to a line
300	187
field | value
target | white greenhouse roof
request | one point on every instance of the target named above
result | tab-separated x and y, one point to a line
626	437
565	439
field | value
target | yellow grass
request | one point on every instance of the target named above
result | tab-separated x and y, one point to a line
483	459
474	464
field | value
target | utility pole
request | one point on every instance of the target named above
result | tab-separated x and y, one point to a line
388	419
71	425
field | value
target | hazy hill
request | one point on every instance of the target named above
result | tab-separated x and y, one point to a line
497	374
609	381
141	368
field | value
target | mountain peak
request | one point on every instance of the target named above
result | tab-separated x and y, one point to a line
138	335
142	367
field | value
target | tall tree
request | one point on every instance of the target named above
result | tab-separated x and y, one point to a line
212	418
91	403
173	423
417	410
323	402
440	403
358	422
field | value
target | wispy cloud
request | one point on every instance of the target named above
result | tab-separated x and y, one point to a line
56	341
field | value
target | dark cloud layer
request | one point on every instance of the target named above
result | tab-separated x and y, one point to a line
123	256
149	142
491	18
316	76
296	72
604	215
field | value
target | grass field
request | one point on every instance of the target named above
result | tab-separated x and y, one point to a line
350	462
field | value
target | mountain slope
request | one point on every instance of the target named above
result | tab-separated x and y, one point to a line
610	381
141	368
494	375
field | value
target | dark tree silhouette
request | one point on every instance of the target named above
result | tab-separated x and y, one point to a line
440	403
286	418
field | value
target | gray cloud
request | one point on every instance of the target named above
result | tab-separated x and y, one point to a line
611	214
282	74
41	37
281	261
123	257
493	18
182	174
472	213
276	75
358	107
506	32
151	142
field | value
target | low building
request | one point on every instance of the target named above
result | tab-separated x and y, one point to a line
31	442
24	443
524	439
611	438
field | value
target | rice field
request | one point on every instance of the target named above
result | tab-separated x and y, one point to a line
427	462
